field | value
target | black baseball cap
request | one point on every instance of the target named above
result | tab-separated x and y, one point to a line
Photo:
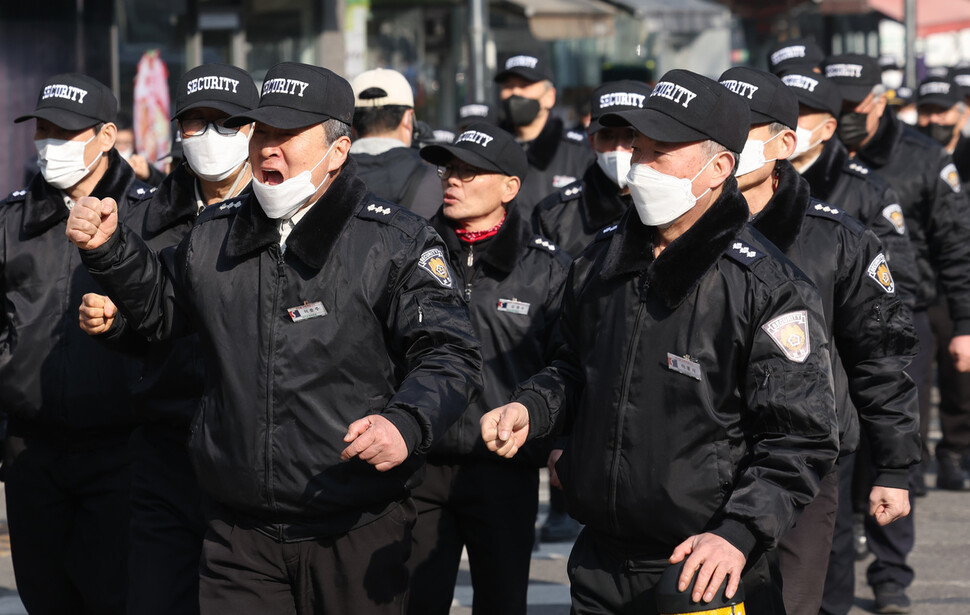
627	94
530	66
670	600
888	62
796	54
854	74
961	76
74	101
766	95
227	88
485	146
477	111
814	91
940	91
685	106
296	95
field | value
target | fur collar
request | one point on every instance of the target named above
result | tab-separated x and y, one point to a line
541	150
823	175
603	202
877	152
503	251
176	201
782	217
679	268
314	237
45	203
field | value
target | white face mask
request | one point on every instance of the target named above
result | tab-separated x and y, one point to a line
892	78
283	200
616	165
753	156
62	162
804	142
126	153
909	116
659	198
213	156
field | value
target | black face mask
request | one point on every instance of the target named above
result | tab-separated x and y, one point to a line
520	111
941	133
852	128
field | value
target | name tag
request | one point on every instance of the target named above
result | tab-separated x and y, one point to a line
683	365
513	306
307	311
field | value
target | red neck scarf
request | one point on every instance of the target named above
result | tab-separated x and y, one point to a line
476	236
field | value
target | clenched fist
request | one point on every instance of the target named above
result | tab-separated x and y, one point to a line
97	313
92	222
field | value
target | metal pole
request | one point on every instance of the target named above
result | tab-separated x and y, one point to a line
476	51
911	43
79	64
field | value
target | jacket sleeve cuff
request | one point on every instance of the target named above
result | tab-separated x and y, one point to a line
97	258
738	535
538	412
407	426
895	478
961	327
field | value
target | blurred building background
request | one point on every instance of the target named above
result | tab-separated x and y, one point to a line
446	48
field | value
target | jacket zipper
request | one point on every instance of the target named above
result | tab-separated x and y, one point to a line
267	462
621	407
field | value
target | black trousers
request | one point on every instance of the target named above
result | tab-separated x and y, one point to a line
954	387
362	572
608	578
839	593
803	552
68	516
488	508
167	524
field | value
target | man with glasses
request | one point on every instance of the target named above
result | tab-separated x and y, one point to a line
337	349
66	465
574	215
512	281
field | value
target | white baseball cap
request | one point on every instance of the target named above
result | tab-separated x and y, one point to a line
382	87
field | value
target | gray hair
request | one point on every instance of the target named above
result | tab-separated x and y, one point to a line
334	129
712	148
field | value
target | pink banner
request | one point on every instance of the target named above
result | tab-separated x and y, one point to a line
152	116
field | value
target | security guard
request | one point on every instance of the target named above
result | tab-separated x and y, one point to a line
167	518
337	349
66	466
557	157
692	375
575	214
512	280
871	330
385	123
937	215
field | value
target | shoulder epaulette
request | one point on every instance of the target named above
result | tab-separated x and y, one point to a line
382	211
139	192
571	192
221	210
17	195
744	252
573	135
606	232
824	210
855	167
541	243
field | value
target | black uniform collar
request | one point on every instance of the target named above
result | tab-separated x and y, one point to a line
44	206
782	217
314	237
876	153
679	268
541	150
961	157
825	172
177	194
604	203
503	251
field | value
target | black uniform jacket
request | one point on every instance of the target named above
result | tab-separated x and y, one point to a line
936	210
871	330
401	176
513	289
359	315
850	185
574	215
696	386
56	382
557	158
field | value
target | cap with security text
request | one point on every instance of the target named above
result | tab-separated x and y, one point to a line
227	88
382	87
476	112
766	95
74	101
297	95
961	76
613	96
797	54
484	146
855	75
530	67
814	91
940	91
685	106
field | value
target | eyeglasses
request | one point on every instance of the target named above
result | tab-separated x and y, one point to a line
622	137
196	127
463	172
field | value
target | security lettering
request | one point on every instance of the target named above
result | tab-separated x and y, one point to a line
69	92
851	71
526	61
801	82
741	88
674	92
473	136
433	261
628	99
285	86
788	53
473	111
934	87
878	270
790	333
211	82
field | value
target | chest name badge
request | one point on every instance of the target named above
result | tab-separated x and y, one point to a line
683	365
307	311
513	306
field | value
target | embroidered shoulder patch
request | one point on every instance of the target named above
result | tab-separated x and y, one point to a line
951	177
878	270
434	262
790	333
894	213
